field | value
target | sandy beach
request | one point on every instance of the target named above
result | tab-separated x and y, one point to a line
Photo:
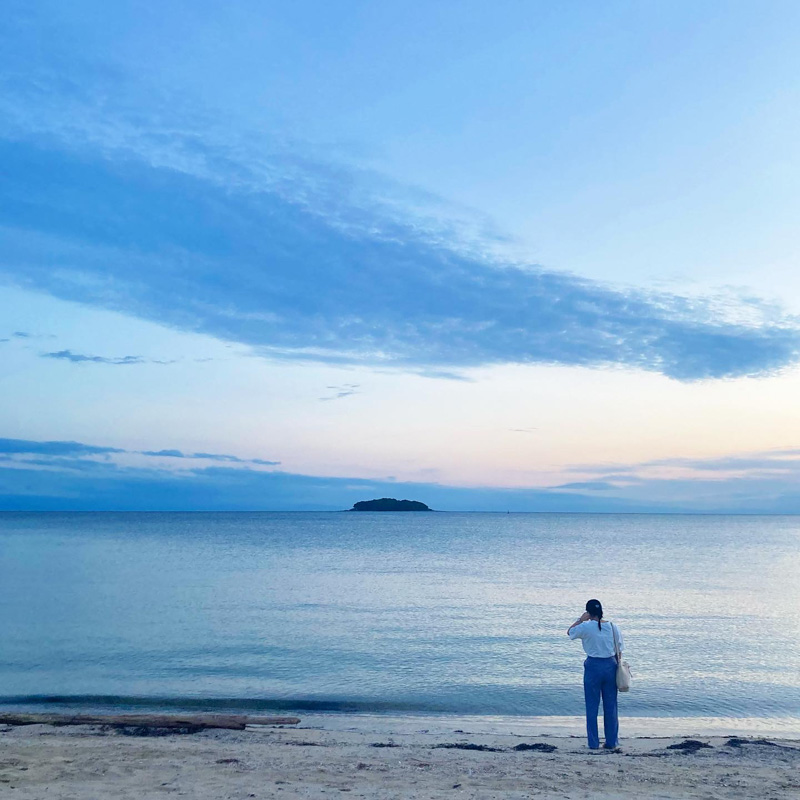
395	761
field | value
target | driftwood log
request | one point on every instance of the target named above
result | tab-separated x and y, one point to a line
190	721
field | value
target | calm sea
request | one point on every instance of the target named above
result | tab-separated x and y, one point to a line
458	613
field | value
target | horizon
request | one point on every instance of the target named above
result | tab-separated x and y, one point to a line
528	258
436	510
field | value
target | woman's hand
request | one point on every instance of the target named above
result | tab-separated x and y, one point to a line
582	618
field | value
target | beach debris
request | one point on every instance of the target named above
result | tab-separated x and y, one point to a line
306	744
467	746
456	785
735	741
149	730
539	746
689	746
175	722
227	761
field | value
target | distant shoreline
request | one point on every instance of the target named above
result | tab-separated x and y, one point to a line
9	511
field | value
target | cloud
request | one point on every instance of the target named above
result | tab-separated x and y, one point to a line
77	358
88	485
758	482
218	457
444	375
68	475
345	390
590	486
23	446
147	212
26	335
783	460
49	451
59	463
208	457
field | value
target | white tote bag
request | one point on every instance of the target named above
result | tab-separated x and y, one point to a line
623	670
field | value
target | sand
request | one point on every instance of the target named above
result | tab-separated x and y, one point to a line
93	763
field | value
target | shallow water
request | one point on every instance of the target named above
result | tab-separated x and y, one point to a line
457	613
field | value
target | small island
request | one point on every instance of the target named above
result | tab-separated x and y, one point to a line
389	504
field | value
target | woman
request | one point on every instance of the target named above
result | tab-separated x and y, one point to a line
599	672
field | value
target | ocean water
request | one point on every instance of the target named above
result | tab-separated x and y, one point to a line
395	613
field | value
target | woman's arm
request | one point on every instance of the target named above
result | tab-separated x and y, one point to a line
582	618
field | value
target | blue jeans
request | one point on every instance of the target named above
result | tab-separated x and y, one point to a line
600	679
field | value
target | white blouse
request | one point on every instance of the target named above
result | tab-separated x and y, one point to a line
597	642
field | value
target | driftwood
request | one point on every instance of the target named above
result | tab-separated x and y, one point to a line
190	721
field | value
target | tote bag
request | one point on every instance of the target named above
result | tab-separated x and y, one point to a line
623	670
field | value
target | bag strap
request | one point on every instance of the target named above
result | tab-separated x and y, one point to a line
616	642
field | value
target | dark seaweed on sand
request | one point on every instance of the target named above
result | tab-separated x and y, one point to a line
689	746
467	746
539	746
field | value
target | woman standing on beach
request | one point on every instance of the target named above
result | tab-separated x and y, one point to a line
599	672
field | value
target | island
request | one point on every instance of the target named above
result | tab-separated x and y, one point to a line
389	504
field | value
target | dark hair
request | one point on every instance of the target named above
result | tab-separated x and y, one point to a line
595	609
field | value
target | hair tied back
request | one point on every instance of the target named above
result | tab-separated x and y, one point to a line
595	609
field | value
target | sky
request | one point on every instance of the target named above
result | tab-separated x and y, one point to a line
524	256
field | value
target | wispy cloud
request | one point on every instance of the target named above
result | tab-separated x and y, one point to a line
60	464
783	460
345	390
20	446
587	486
306	260
78	450
209	457
765	481
25	335
80	358
220	457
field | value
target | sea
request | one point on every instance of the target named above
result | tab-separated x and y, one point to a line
397	613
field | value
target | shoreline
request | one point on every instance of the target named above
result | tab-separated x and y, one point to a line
562	727
384	760
787	728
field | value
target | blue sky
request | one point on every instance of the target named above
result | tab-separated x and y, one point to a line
508	255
